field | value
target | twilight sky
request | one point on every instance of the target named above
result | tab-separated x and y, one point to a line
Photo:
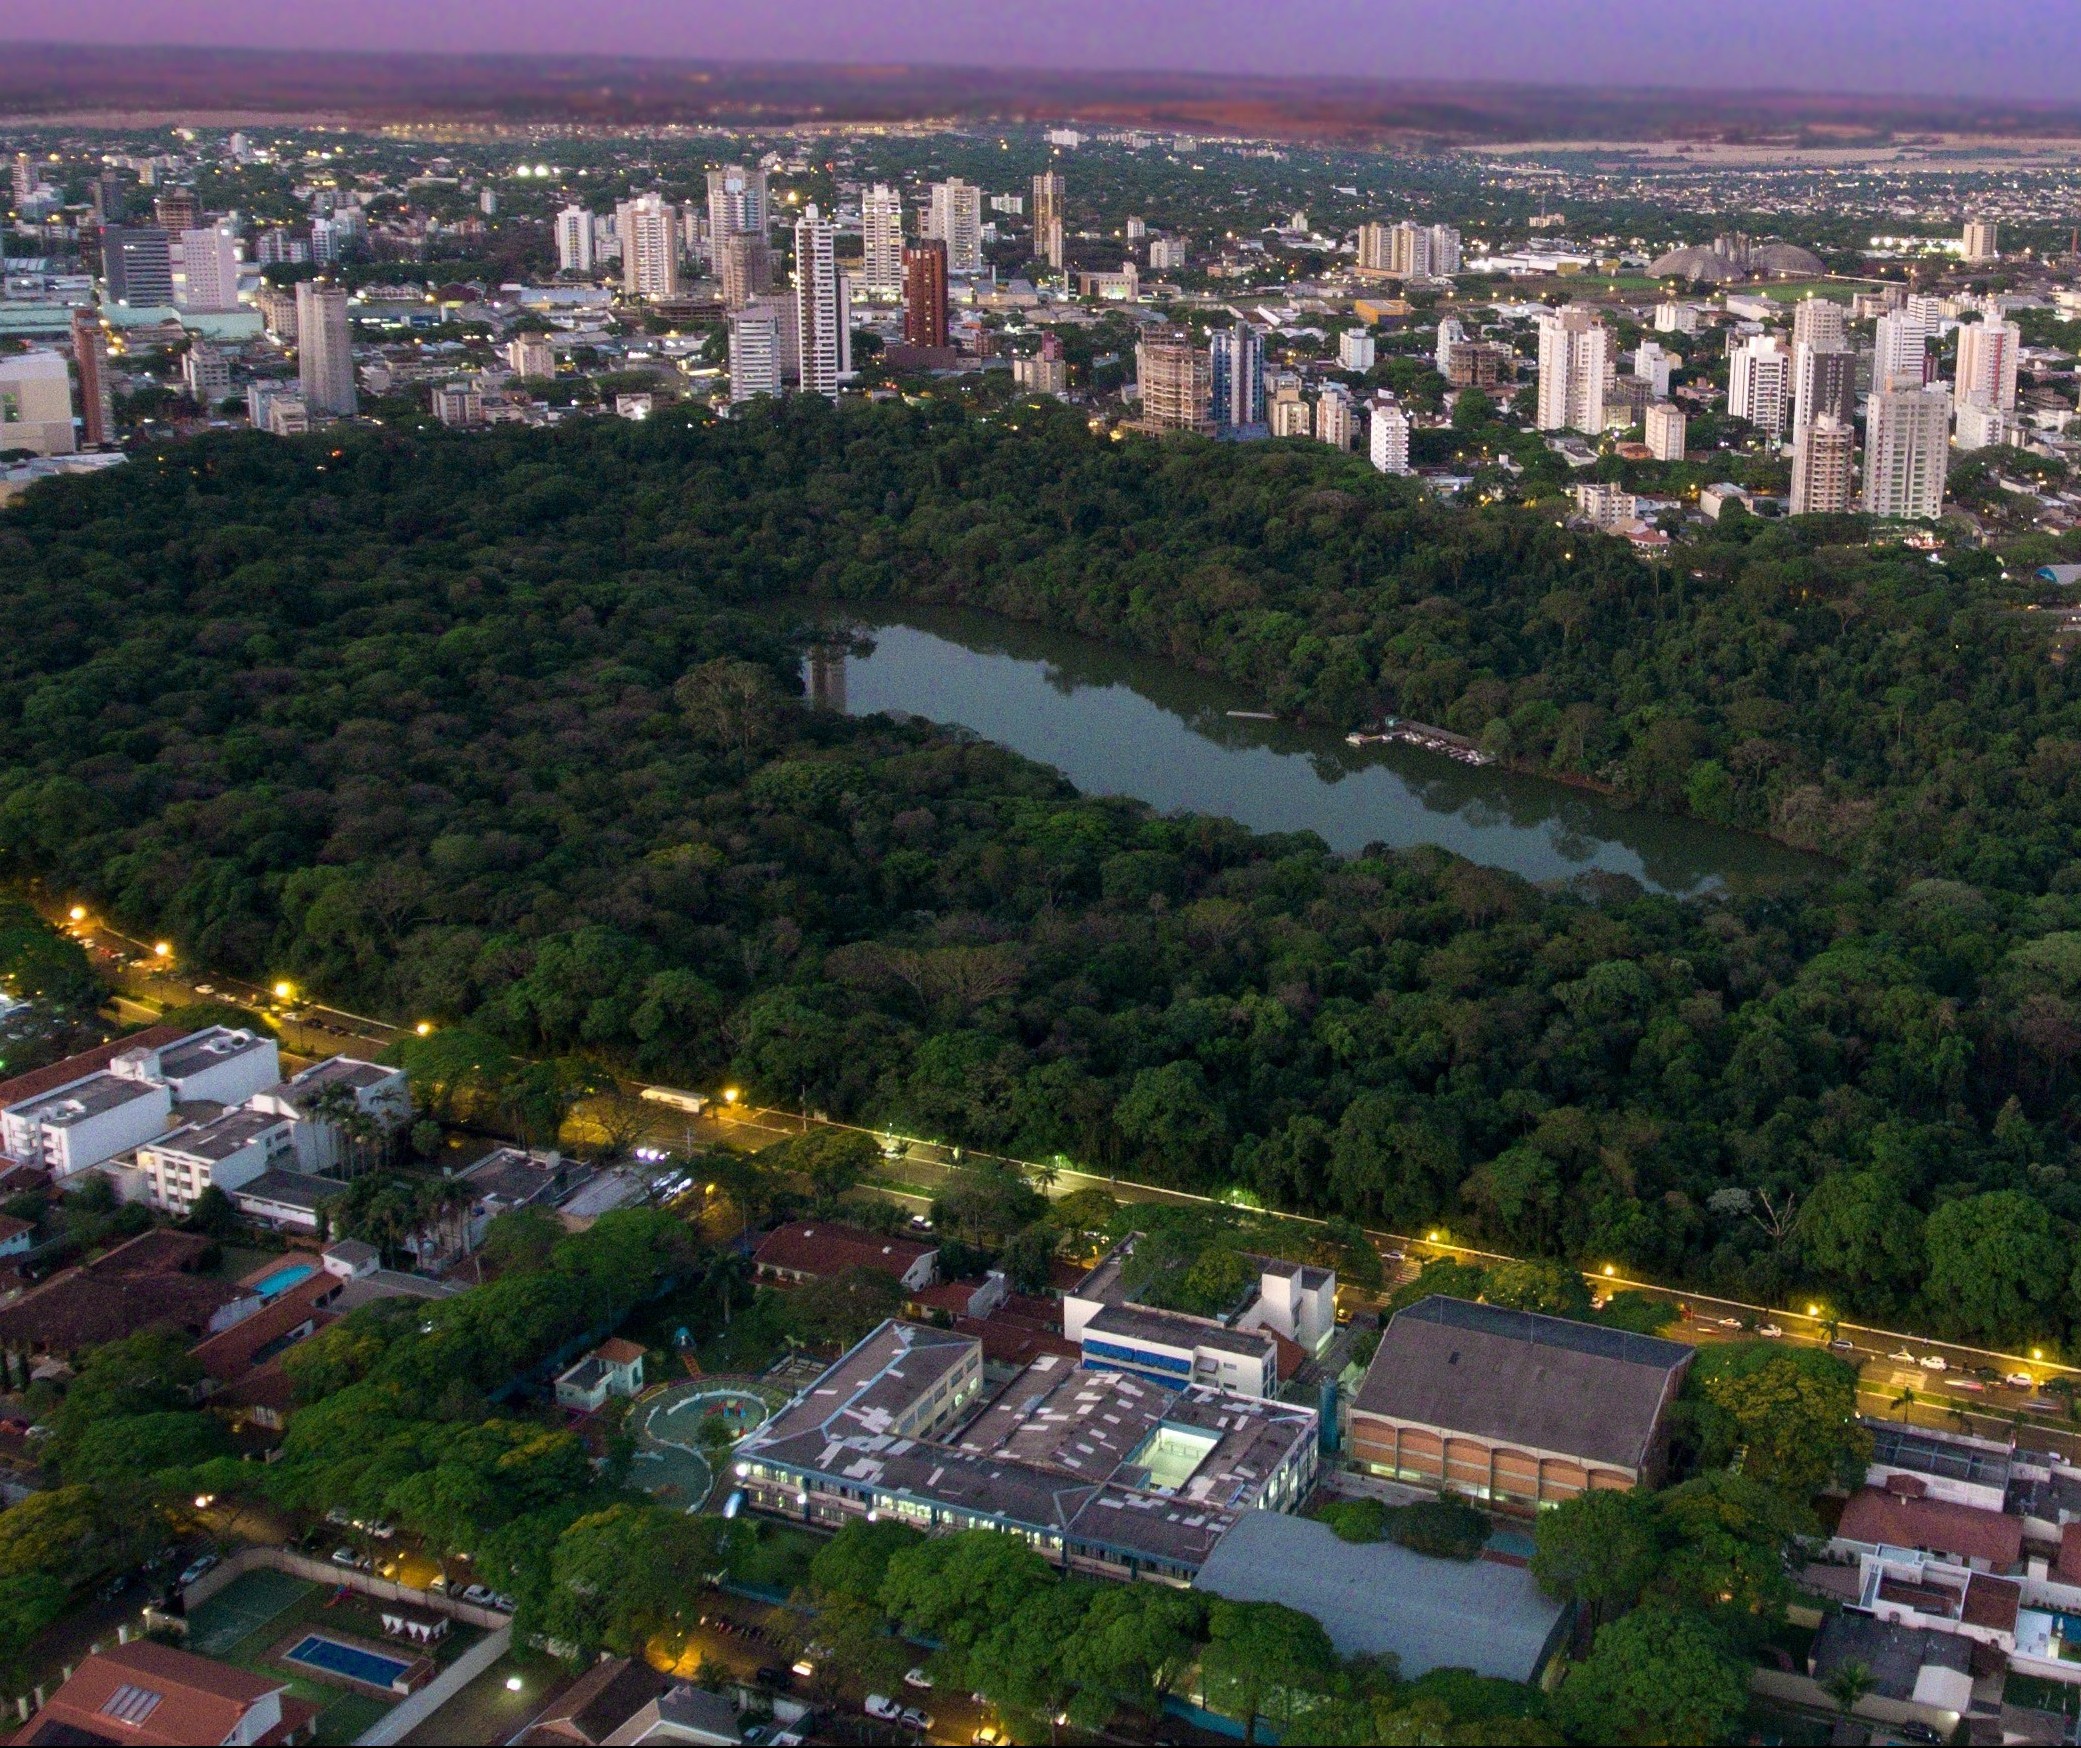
2017	48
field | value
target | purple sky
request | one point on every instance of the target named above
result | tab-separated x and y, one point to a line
2018	48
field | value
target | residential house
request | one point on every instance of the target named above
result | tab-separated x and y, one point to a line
814	1250
614	1368
149	1282
159	1697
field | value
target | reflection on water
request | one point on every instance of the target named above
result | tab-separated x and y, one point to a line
1116	723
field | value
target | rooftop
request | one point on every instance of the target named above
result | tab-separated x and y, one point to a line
290	1189
1894	1656
78	1100
198	1051
154	1694
1175	1329
1543	1383
830	1247
1376	1598
219	1138
1881	1519
42	1080
341	1071
1977	1461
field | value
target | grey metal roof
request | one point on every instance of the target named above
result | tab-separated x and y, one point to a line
1542	1383
1175	1329
1379	1597
206	1049
1921	1453
295	1189
221	1137
80	1099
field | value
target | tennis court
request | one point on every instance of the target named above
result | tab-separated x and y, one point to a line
242	1608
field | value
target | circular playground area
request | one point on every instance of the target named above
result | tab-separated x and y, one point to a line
672	1458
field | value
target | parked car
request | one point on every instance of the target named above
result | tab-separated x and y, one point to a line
1729	1322
340	1517
380	1530
1842	1344
879	1705
772	1675
1931	1362
803	1667
1901	1354
195	1568
918	1679
913	1719
1770	1331
502	1602
477	1595
350	1559
2020	1381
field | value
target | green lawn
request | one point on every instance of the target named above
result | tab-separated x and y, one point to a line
244	1623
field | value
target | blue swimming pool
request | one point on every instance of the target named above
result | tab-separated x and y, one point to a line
317	1652
273	1285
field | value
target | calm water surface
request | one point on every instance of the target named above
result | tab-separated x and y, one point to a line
1117	723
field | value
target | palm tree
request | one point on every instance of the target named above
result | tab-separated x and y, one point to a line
1849	1684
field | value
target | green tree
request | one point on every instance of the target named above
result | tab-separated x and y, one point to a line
855	1562
1134	1643
956	1588
1263	1660
1795	1411
1656	1675
1599	1549
1996	1267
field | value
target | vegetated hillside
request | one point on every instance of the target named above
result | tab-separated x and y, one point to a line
470	728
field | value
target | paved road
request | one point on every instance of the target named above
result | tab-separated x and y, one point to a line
1895	1378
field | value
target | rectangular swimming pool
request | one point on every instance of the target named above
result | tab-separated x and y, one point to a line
271	1286
315	1651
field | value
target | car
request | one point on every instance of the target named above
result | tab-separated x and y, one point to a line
503	1603
340	1517
879	1705
1931	1362
438	1583
772	1675
1728	1322
194	1569
1901	1354
803	1667
918	1679
1770	1331
920	1223
2020	1381
205	989
351	1560
989	1735
477	1595
913	1719
380	1530
1843	1344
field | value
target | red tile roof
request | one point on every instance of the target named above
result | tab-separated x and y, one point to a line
229	1356
1992	1602
42	1080
10	1227
617	1352
818	1248
153	1695
2068	1565
143	1284
1969	1532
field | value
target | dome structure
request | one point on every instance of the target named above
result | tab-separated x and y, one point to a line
1787	259
1733	258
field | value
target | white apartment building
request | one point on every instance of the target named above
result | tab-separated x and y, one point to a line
1823	466
1819	321
316	1100
1987	352
649	228
881	236
207	374
325	350
1906	440
36	404
955	216
1651	365
84	1122
737	204
1983	427
1666	428
1676	318
1387	435
1573	354
530	355
1981	241
1759	384
220	1064
1356	349
225	1153
206	277
756	350
576	244
823	314
1450	334
1336	422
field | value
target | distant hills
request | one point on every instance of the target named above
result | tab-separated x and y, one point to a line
52	80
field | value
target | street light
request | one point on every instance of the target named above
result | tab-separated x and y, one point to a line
78	913
424	1028
284	990
162	949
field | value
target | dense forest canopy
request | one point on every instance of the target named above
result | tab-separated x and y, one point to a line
497	729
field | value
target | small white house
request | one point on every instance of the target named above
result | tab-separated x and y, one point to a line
614	1368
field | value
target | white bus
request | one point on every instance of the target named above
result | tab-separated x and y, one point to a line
679	1101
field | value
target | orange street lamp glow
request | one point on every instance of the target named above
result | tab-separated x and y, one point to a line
284	990
163	950
1611	1268
78	913
424	1027
729	1095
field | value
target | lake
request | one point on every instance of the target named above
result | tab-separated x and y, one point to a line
1117	723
